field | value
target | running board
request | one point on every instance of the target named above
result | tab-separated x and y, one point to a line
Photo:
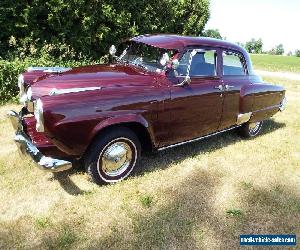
197	139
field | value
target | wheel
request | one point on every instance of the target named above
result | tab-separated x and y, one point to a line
250	129
112	156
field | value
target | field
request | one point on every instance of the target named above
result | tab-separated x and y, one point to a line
201	195
276	63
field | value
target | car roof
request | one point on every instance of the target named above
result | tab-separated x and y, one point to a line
169	41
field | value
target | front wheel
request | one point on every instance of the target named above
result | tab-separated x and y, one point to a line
250	129
113	156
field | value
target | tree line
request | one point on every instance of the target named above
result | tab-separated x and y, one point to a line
253	46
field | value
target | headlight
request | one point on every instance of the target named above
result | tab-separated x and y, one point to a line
29	94
21	82
23	96
39	115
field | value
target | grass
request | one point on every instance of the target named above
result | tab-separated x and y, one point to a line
42	222
234	212
146	200
276	63
202	195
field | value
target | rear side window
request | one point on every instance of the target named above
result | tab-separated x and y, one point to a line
233	64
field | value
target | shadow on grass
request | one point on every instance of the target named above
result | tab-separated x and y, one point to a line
25	233
67	184
177	221
183	216
163	159
273	210
190	220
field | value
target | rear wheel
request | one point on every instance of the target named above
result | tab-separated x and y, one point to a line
113	156
250	129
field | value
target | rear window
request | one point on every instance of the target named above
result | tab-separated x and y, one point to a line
233	63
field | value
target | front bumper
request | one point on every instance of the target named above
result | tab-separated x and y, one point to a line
26	147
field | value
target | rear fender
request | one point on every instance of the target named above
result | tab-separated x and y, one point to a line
262	100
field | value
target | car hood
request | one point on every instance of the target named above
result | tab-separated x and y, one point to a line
89	77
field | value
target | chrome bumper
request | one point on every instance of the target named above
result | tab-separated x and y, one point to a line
282	104
26	147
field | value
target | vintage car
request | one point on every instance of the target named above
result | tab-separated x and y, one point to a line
161	91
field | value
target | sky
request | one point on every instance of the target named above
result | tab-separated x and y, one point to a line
274	21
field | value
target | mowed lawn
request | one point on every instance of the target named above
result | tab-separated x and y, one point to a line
201	195
276	63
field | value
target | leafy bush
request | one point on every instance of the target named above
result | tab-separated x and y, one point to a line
60	32
10	70
90	27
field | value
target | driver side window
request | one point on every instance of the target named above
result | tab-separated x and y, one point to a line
203	63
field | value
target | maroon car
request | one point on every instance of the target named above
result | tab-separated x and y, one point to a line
162	91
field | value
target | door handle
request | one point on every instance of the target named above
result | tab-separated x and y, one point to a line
219	87
228	87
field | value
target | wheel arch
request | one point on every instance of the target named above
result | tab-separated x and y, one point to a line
136	124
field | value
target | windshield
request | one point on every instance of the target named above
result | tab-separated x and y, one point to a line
144	55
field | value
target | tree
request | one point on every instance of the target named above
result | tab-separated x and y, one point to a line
91	26
254	46
214	33
240	44
277	50
297	52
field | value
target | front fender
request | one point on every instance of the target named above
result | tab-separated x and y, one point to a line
72	120
119	120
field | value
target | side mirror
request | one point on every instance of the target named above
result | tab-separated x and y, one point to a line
112	50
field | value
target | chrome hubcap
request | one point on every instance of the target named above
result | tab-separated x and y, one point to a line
116	158
254	127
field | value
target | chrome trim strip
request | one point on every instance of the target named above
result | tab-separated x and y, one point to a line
49	69
55	91
242	118
197	139
25	145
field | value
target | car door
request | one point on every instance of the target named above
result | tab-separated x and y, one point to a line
196	109
234	77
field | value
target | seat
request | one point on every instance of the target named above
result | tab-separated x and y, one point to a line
200	68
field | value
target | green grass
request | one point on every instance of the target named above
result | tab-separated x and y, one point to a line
202	195
42	222
234	212
276	63
146	200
